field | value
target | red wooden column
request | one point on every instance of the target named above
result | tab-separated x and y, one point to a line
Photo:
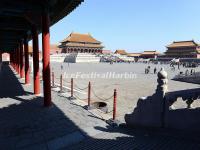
18	61
46	59
17	66
27	68
21	60
10	58
13	59
0	56
36	74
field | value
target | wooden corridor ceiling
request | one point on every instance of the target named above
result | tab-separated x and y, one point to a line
17	17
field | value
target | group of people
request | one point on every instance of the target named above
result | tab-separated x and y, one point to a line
192	71
147	70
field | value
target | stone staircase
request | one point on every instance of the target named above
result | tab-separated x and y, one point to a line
82	58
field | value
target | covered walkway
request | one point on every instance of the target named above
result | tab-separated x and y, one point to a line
26	124
24	20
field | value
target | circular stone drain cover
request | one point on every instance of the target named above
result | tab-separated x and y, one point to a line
100	105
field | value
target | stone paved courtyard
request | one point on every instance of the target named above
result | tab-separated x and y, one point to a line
128	90
26	124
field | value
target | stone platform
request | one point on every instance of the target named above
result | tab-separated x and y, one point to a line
82	58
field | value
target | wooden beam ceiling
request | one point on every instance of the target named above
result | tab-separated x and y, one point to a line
17	17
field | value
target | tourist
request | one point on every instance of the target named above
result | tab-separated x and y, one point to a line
191	72
145	70
148	69
186	72
155	70
194	71
178	66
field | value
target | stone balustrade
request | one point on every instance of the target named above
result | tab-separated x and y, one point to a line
82	57
189	96
158	110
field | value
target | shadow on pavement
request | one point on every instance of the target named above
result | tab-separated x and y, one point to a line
28	125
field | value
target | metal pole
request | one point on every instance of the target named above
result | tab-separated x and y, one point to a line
61	83
114	104
89	94
72	88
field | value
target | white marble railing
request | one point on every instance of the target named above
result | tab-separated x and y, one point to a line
189	96
188	75
82	57
159	110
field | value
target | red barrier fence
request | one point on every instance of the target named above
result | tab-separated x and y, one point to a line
90	91
114	104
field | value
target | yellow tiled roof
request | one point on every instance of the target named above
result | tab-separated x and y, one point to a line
134	54
122	52
84	45
182	44
150	53
81	38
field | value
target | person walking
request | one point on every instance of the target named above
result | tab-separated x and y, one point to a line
178	66
61	67
186	72
155	70
146	70
191	72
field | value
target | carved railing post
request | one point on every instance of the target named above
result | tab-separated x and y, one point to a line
150	111
162	80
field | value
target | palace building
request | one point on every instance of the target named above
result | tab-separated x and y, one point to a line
121	52
183	49
146	54
80	43
149	54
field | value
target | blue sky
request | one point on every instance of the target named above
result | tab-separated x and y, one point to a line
133	25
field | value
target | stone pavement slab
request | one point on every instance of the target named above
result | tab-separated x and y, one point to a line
26	124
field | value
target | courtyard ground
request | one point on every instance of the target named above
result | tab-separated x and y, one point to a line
128	90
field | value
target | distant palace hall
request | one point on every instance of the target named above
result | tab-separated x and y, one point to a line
183	49
80	43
